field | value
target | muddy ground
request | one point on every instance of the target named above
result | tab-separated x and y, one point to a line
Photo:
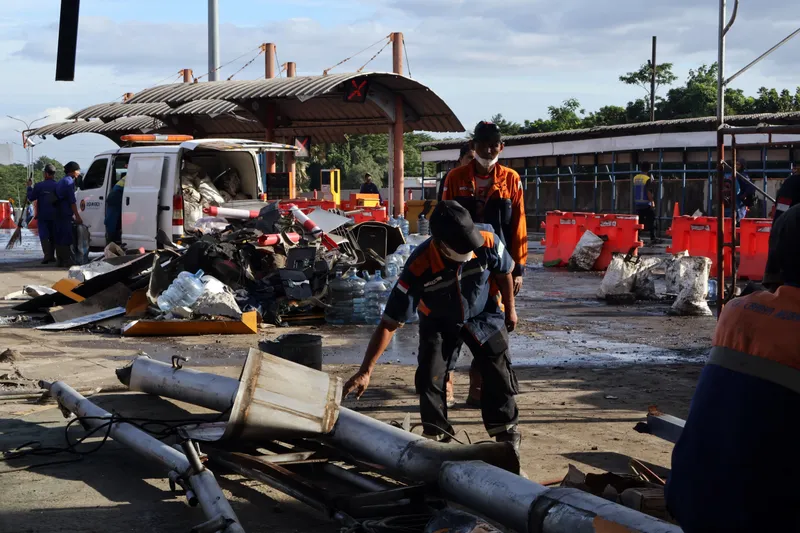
588	373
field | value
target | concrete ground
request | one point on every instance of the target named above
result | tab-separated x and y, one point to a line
588	373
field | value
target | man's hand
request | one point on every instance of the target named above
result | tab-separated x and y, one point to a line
517	284
511	319
358	384
78	219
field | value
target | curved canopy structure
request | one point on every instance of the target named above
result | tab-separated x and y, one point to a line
324	107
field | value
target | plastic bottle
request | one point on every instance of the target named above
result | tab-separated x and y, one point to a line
423	225
183	292
358	298
393	222
403	224
376	293
339	301
712	290
394	265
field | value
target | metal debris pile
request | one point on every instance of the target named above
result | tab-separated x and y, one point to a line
270	265
282	424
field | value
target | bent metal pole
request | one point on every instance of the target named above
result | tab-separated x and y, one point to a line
462	472
203	483
528	507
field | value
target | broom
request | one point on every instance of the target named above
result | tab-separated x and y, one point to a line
16	237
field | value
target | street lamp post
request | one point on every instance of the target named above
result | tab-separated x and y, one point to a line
27	145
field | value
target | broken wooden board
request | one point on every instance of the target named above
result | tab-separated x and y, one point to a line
115	296
146	328
84	320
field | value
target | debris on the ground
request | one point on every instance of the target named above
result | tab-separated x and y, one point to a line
83	320
10	356
273	264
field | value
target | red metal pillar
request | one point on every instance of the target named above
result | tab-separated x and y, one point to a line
187	75
269	73
397	64
291	166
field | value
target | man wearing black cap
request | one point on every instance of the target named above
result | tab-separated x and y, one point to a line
447	278
44	194
734	467
368	187
492	194
67	211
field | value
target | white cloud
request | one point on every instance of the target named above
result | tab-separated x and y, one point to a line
511	56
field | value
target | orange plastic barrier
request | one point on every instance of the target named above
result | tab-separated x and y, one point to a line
7	215
562	233
698	235
753	247
370	214
622	232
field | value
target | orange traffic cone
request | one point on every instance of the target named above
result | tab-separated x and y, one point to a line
676	211
8	223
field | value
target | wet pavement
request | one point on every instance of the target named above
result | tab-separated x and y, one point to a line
27	250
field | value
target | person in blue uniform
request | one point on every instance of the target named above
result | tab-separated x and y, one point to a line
67	213
369	187
456	280
44	194
113	218
734	467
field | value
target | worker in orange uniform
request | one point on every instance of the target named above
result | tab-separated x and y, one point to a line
493	195
734	467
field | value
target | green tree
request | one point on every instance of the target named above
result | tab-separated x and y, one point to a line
507	127
643	78
40	163
609	115
12	183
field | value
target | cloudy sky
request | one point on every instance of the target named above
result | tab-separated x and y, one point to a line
513	57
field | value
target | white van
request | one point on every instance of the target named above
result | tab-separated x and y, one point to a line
152	201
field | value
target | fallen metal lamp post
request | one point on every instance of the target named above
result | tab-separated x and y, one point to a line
463	472
198	482
528	507
408	455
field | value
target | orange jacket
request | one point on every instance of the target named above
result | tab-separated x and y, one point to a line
504	209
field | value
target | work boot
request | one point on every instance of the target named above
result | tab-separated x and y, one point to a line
448	387
512	435
64	254
48	251
475	384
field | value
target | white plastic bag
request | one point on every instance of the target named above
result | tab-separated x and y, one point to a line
619	277
674	271
588	249
693	282
88	271
210	224
209	193
80	244
644	283
217	300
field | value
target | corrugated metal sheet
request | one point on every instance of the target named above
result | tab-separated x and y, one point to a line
121	125
299	98
311	105
638	128
204	107
114	110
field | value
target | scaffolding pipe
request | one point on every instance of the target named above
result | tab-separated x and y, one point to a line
213	40
528	507
215	507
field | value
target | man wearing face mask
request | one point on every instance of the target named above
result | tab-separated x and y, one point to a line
447	279
493	195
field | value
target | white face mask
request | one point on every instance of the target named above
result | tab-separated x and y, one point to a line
487	163
452	254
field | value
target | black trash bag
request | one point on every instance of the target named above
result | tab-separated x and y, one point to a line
295	284
267	218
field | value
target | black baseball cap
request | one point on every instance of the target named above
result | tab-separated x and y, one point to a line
487	132
49	168
72	166
452	224
784	242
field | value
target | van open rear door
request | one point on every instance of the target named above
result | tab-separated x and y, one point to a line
141	200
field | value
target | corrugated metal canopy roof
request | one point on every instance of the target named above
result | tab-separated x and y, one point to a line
637	128
112	129
309	105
